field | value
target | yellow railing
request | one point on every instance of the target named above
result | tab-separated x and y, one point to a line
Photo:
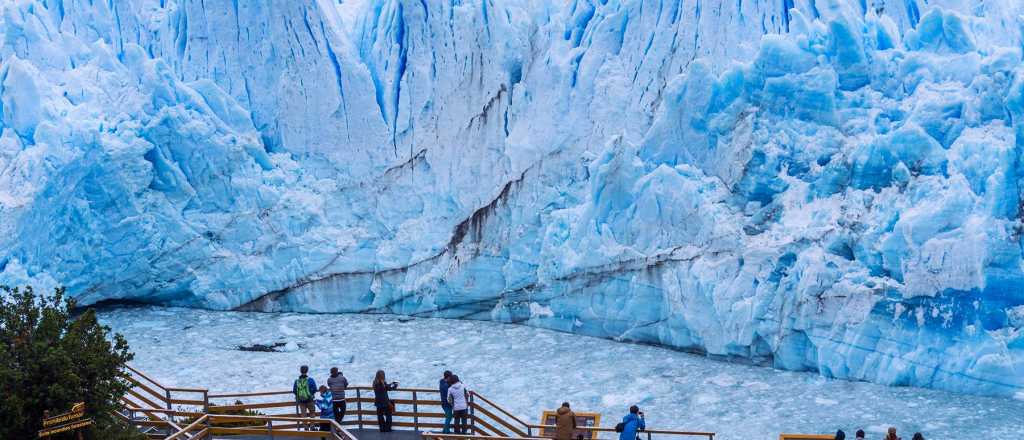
415	408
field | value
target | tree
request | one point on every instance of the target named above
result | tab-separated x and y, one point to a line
50	358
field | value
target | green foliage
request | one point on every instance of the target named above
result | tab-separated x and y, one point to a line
50	359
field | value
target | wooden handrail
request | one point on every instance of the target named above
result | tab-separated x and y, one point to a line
144	400
173	425
237	418
139	373
187	390
289	392
263	393
418	390
297	420
807	436
159	396
500	409
249	406
183	431
168	412
440	436
611	430
501	421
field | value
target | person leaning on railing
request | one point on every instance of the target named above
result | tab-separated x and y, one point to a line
458	396
338	383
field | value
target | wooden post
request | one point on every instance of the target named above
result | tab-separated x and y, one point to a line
359	407
206	402
167	393
472	413
415	413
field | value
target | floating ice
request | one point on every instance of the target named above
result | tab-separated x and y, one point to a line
527	370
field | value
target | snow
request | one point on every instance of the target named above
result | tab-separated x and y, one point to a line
526	370
830	188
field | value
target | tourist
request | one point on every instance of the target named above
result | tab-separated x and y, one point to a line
891	435
631	424
326	405
565	423
385	407
918	436
442	386
860	434
458	397
338	383
303	389
840	435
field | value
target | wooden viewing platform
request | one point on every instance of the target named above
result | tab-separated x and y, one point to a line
172	413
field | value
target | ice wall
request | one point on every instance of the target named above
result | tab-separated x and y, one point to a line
812	185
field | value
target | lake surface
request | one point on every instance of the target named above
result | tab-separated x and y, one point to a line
527	370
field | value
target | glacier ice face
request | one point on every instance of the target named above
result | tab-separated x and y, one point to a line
833	187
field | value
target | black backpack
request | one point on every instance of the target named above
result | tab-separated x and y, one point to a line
620	427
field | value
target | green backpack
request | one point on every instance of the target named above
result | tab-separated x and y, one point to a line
302	393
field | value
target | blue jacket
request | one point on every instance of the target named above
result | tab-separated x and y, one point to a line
326	405
312	389
443	387
631	424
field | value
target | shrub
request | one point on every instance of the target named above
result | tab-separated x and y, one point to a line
50	358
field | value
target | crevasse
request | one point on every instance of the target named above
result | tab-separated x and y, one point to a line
811	185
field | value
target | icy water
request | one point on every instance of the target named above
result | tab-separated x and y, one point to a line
526	370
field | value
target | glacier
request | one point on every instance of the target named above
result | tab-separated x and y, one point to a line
812	185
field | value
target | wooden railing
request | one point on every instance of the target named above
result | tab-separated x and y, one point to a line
152	393
439	436
505	424
201	425
415	408
807	436
649	434
290	427
489	419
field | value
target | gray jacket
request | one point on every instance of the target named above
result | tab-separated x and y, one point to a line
337	384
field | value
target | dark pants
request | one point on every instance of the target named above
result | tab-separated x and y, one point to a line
447	419
384	419
339	411
462	421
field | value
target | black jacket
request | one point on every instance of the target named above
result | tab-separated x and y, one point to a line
380	394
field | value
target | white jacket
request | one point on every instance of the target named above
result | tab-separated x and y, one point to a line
457	395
